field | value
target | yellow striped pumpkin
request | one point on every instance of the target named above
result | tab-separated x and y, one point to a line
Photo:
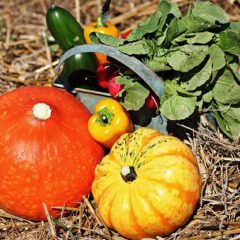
148	185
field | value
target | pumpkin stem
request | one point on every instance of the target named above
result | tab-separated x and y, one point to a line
41	111
128	173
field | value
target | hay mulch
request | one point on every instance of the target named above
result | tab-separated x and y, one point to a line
26	58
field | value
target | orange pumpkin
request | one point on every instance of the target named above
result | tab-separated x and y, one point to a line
148	185
46	152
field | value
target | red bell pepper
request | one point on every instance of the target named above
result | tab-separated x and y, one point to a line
104	74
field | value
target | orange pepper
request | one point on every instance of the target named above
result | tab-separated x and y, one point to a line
101	27
109	122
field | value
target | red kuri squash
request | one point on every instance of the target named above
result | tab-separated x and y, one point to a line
46	152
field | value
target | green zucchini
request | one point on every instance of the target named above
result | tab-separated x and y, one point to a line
69	33
64	27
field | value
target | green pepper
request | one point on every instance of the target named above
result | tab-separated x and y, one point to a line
69	33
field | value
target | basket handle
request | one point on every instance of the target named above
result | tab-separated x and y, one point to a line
139	68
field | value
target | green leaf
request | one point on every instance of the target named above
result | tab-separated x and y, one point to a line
142	47
174	10
217	57
94	38
171	87
206	16
234	66
227	89
229	41
177	103
124	80
193	24
177	107
166	8
157	64
228	119
160	40
232	126
199	105
207	97
220	121
199	78
172	31
106	39
133	95
210	12
181	26
201	38
235	27
187	57
233	111
178	88
161	52
148	26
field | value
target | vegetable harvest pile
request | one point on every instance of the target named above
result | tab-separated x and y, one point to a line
196	55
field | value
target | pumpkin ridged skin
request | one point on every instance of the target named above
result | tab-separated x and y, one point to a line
161	198
50	161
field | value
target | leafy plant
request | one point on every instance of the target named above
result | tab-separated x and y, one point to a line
197	56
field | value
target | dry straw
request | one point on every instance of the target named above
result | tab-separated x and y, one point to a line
26	59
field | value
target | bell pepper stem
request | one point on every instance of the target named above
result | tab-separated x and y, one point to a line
105	117
100	22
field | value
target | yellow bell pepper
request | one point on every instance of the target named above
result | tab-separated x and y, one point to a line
109	122
102	27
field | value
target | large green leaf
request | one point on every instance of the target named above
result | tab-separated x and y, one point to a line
217	57
106	39
158	64
235	27
210	12
148	26
167	8
177	107
187	57
207	97
228	118
217	115
227	89
172	31
141	47
206	16
229	41
199	78
177	103
200	38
